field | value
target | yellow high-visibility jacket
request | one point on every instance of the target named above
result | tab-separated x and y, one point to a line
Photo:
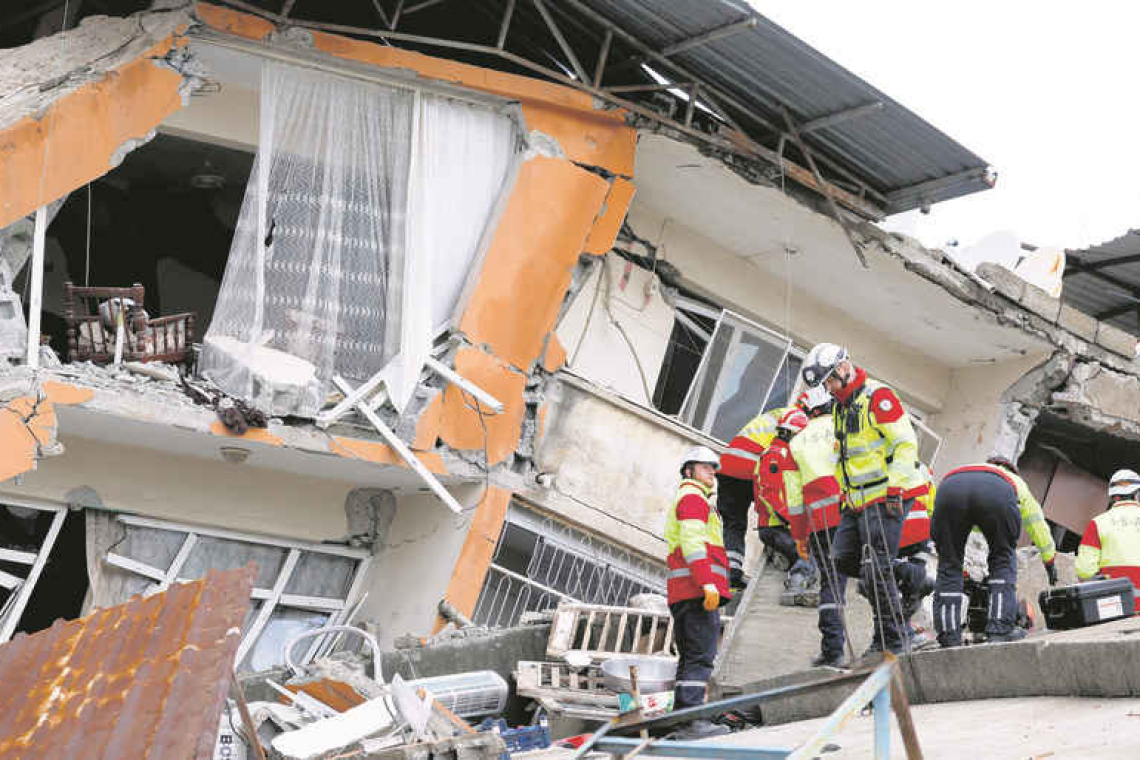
1111	544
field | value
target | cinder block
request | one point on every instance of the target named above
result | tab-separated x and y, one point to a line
1007	283
1116	340
1041	303
1077	322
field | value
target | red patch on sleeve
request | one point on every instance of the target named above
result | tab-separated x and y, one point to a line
885	406
1091	536
693	507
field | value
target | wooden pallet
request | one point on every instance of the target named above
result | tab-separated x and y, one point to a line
558	681
608	632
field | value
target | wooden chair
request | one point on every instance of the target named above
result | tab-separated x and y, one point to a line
157	339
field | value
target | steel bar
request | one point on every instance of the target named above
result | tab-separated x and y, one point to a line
878	681
882	708
655	87
417	7
506	25
37	289
287	8
603	54
380	11
823	122
711	35
247	724
396	15
713	709
692	104
794	171
8	625
561	40
661	748
835	212
401	449
458	380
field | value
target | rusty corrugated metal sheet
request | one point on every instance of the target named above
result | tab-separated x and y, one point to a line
145	679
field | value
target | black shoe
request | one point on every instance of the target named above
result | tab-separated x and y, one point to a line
699	729
829	661
1015	634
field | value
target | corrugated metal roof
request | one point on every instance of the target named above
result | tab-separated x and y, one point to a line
1109	291
892	148
142	679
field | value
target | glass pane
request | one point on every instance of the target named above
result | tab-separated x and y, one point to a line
211	553
744	384
317	574
283	625
696	411
784	383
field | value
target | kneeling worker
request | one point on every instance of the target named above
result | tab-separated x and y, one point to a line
993	497
1111	543
698	582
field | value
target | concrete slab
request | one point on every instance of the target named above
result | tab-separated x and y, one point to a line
1038	727
1116	340
1077	322
1041	303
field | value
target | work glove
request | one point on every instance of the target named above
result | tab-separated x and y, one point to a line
1051	571
712	597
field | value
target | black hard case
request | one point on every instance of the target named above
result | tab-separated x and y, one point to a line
1087	603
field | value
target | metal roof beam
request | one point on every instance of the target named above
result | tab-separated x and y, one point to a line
1077	267
380	12
1116	282
917	191
561	40
712	35
1116	311
288	8
823	122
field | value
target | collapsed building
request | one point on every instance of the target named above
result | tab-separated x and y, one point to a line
428	310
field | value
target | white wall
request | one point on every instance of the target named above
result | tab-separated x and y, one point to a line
193	490
732	281
969	419
411	572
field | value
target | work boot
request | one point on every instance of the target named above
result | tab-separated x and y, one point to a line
699	729
912	598
829	661
1015	634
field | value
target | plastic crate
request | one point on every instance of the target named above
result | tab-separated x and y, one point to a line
523	739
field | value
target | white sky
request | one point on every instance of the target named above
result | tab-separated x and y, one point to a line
1044	91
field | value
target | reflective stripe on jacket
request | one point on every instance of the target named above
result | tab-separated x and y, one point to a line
877	446
744	451
1032	518
1111	544
771	491
695	541
813	450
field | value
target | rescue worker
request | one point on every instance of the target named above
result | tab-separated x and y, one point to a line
1111	543
877	451
735	487
771	499
914	582
698	581
993	497
813	507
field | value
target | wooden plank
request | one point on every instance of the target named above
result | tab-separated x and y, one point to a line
621	632
652	635
588	634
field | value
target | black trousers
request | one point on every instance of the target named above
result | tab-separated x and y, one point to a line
779	539
734	497
832	594
988	501
866	543
696	632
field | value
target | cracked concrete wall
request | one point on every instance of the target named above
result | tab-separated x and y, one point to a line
121	75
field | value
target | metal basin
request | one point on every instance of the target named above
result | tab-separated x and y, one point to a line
653	674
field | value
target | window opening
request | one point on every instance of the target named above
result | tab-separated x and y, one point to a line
299	586
539	562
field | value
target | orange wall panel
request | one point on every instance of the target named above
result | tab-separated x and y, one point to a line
527	269
73	142
461	427
478	549
606	228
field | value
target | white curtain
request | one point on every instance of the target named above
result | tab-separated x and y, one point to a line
462	157
363	214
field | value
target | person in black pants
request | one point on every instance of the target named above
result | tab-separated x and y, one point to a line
993	497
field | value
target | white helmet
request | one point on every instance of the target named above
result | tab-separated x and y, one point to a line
821	361
702	454
1123	483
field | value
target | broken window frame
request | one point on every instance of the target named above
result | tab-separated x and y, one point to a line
741	324
268	599
593	564
14	607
